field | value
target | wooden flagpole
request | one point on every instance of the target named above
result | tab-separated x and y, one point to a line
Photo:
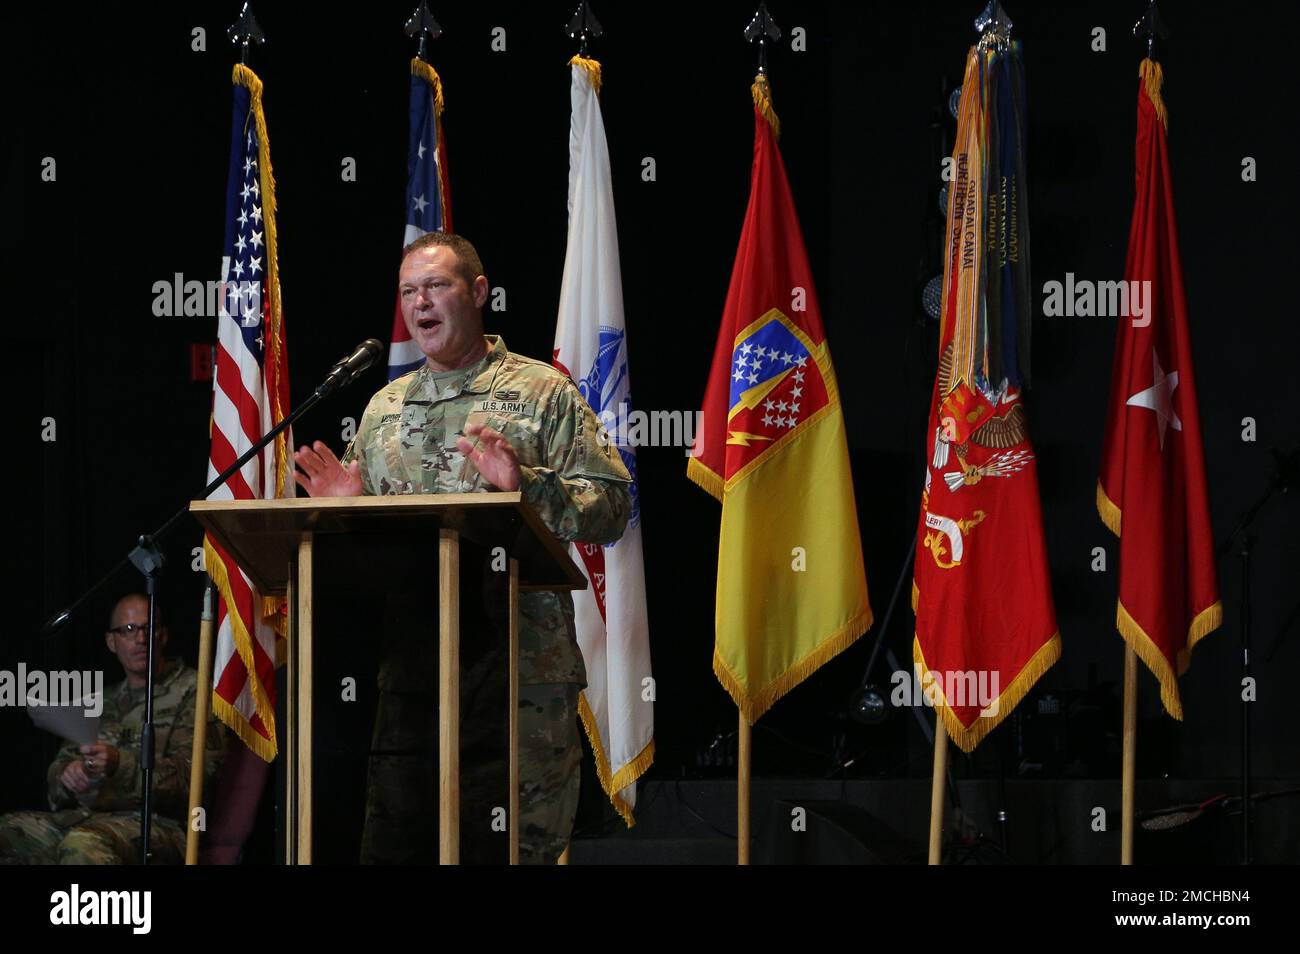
513	701
937	780
1130	755
742	790
202	706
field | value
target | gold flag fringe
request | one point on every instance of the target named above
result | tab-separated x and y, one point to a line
706	479
762	93
967	738
1153	77
752	706
1203	623
593	70
1152	658
614	783
225	711
1110	514
430	75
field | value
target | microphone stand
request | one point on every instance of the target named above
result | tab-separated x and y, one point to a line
148	559
1286	476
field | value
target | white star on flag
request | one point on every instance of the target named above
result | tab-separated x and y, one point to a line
420	203
1159	398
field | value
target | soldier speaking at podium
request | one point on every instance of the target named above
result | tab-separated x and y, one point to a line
474	418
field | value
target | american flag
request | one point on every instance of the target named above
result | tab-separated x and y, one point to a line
250	396
428	200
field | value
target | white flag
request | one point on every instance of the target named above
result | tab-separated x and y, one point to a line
591	346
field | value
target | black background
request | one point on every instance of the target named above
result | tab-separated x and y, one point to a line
138	124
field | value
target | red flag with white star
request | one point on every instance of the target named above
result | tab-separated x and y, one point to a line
1152	491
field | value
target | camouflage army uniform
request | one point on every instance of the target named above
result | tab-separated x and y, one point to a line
102	826
406	444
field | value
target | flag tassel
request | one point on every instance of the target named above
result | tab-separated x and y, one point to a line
761	90
1153	80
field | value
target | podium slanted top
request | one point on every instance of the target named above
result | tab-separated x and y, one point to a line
263	536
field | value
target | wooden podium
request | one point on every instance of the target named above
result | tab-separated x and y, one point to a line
272	541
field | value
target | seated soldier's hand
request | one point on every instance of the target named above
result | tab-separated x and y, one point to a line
323	474
74	778
493	456
101	760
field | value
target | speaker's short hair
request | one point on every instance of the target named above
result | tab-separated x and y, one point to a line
470	265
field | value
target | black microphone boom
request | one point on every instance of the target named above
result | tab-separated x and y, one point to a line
340	375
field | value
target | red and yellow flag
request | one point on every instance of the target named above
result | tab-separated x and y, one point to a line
1152	466
792	588
985	622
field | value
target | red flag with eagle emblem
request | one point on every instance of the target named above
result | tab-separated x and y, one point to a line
985	622
1153	466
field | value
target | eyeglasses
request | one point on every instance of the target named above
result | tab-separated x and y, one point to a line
130	629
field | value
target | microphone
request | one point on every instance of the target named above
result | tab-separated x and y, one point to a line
346	370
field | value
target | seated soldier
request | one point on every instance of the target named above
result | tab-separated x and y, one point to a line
95	790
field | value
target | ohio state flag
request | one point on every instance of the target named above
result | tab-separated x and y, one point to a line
1152	490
